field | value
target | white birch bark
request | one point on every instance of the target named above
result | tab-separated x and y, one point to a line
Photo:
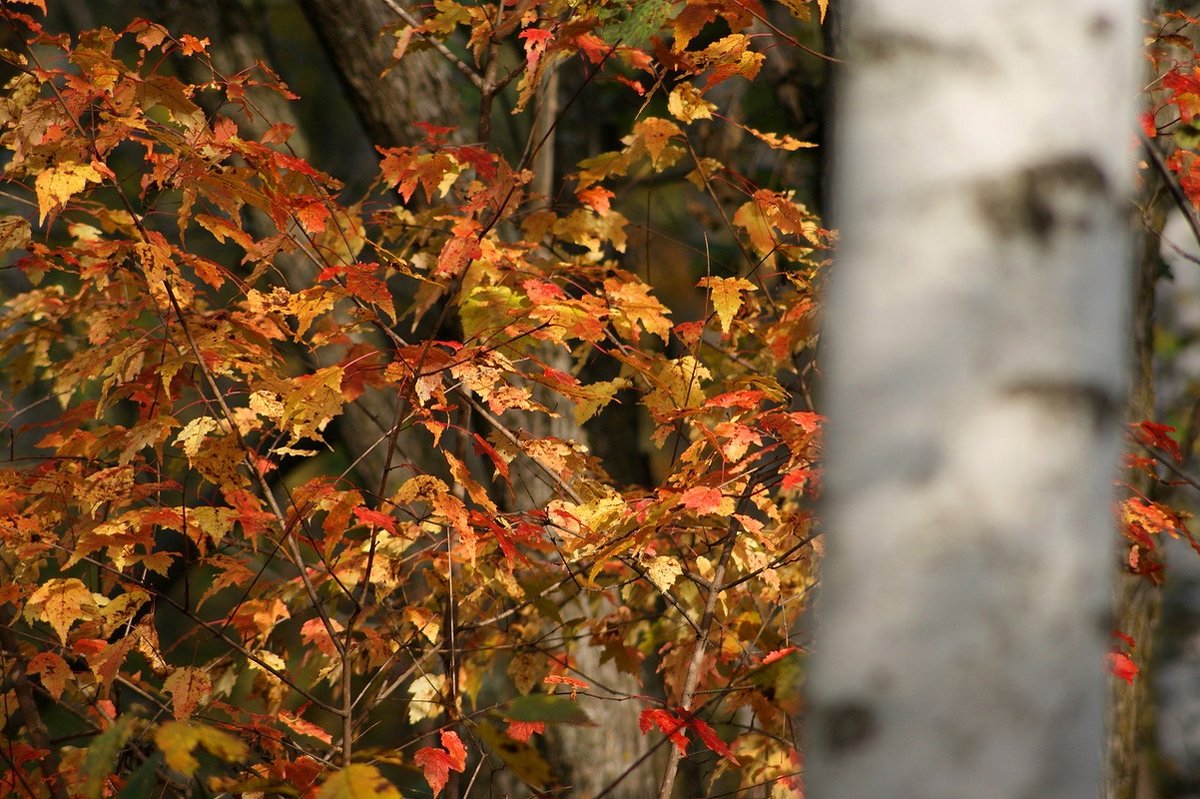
975	355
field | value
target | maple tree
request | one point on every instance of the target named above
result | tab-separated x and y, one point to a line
198	589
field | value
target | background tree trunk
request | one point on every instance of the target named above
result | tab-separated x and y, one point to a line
975	383
417	89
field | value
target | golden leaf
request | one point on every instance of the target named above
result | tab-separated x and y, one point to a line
177	739
61	602
358	781
687	104
726	296
654	133
53	670
57	184
663	571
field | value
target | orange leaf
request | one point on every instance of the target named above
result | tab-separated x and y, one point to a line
189	688
702	499
53	670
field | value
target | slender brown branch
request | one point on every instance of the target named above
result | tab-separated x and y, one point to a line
442	50
1172	183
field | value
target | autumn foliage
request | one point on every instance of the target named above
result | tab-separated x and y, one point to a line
200	581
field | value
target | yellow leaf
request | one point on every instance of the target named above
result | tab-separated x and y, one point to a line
311	401
358	781
595	396
526	670
654	133
425	695
215	457
189	688
780	141
678	385
632	304
750	218
61	602
58	184
663	571
726	296
177	739
14	233
687	104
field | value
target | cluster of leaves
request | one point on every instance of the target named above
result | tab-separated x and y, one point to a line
196	587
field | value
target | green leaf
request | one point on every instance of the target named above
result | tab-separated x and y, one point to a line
539	707
101	756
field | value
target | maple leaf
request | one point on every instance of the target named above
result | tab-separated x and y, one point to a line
663	571
357	781
190	45
670	725
310	402
597	198
56	185
704	499
1185	92
524	730
725	293
687	104
1122	666
1154	435
436	764
571	682
53	671
61	602
654	133
780	141
709	738
315	634
536	41
189	688
305	727
177	740
374	518
633	304
426	697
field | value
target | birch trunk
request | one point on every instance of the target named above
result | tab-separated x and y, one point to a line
975	355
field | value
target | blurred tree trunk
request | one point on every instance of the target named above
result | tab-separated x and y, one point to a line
975	366
419	88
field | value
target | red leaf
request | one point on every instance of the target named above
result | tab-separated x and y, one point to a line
436	764
374	518
571	682
670	726
1157	436
702	499
536	40
523	730
1121	665
1148	127
710	738
778	654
